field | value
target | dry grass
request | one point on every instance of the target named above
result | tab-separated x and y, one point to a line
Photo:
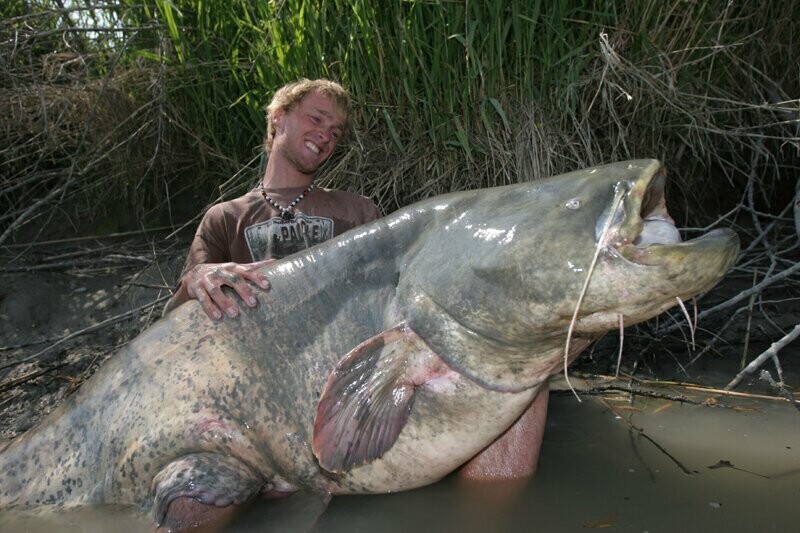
99	139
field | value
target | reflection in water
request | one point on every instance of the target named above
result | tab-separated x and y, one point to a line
596	472
96	519
669	467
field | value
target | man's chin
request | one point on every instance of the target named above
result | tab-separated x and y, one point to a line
310	170
307	165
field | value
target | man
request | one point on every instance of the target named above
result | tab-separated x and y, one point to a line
287	213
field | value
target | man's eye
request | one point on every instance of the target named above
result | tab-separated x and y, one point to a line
315	119
336	134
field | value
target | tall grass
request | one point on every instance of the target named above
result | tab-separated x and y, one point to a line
457	94
439	80
450	94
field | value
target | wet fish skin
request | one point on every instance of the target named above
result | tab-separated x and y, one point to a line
379	361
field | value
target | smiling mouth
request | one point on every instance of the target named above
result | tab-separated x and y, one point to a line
313	147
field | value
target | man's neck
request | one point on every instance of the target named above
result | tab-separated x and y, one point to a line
276	177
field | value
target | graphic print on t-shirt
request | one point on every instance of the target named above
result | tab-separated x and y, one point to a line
277	238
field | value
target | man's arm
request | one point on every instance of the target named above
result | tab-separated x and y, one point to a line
493	483
515	453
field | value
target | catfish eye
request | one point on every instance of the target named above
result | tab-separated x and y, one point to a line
573	203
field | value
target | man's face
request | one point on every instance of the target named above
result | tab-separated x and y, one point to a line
307	135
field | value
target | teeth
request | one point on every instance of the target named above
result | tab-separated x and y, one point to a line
313	147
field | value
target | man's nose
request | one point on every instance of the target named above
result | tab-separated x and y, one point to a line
324	134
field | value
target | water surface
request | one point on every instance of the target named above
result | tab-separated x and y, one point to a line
654	466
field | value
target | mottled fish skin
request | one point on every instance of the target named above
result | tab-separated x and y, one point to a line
487	280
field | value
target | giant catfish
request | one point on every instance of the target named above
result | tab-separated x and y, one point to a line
381	360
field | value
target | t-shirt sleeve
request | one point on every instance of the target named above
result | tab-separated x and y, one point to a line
364	210
210	244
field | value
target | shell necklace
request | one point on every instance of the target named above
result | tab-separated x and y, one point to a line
286	212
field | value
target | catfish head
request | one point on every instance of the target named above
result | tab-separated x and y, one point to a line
493	286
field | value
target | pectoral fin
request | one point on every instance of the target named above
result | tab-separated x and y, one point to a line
368	399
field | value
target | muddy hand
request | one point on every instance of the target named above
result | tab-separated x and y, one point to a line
205	283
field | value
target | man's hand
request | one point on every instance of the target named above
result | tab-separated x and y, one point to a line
205	281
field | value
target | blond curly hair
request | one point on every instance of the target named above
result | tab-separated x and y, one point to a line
288	96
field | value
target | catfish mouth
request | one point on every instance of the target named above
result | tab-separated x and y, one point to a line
658	227
643	232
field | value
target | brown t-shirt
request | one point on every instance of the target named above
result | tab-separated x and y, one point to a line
248	229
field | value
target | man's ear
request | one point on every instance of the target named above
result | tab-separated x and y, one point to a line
277	118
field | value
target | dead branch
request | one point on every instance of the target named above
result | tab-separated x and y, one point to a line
9	399
602	384
741	296
89	329
33	208
11	383
141	232
765	231
779	386
797	209
640	431
112	259
770	353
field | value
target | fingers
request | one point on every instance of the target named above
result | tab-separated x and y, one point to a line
206	281
252	272
205	285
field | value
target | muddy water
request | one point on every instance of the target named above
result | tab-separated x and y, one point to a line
705	469
654	466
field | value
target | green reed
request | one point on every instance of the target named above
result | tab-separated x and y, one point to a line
423	63
464	93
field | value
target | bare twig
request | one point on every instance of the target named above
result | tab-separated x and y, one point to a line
142	232
640	431
797	209
601	384
33	208
778	386
756	363
11	383
749	323
26	344
95	327
741	296
8	400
